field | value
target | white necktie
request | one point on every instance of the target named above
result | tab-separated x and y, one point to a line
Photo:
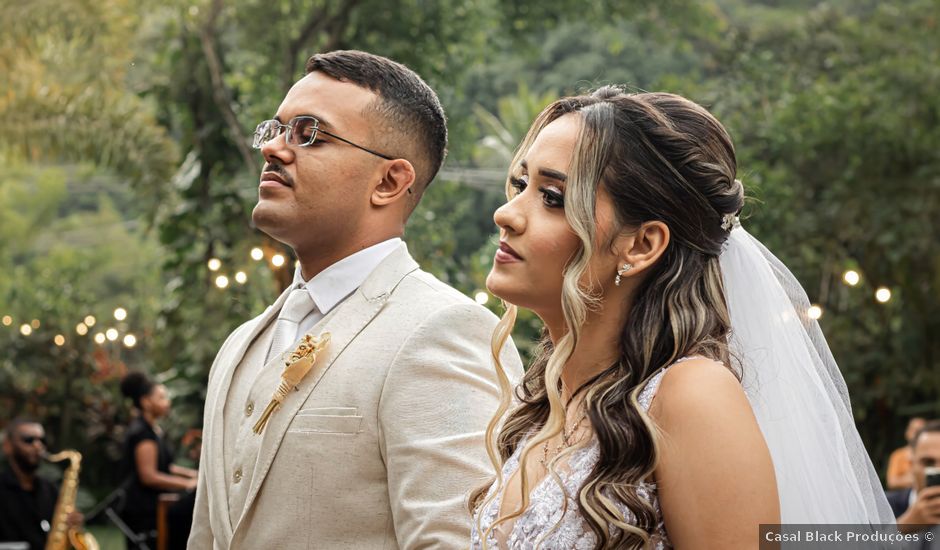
298	305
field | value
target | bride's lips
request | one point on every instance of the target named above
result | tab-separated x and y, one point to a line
272	179
505	254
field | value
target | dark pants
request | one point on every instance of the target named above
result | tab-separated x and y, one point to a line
179	522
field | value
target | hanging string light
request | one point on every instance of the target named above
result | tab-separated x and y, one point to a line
883	294
814	312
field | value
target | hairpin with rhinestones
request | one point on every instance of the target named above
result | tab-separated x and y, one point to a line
730	221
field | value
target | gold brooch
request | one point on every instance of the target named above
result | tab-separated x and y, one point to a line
296	367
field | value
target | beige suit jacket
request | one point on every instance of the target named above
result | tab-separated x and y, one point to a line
381	442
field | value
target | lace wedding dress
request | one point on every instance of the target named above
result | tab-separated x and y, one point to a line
536	527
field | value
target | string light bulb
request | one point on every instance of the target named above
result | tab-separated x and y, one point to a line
883	294
814	312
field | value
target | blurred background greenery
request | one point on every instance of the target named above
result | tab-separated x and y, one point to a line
126	170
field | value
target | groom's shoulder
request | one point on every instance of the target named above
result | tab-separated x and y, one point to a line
425	294
428	286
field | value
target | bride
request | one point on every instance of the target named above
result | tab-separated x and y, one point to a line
681	397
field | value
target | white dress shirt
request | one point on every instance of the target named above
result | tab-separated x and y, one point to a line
332	285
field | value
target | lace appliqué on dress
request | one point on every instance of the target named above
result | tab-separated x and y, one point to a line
534	528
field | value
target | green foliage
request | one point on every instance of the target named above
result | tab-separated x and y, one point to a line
62	262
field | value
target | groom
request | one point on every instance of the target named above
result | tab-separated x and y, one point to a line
382	439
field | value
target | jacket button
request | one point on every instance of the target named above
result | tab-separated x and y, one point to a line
249	408
237	476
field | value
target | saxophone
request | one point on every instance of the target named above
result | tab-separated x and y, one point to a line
61	536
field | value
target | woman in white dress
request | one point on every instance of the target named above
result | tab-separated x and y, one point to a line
650	418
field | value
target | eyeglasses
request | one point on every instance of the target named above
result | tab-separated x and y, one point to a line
30	439
301	131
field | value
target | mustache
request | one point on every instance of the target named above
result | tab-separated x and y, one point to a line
280	171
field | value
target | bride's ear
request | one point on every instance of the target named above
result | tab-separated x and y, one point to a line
641	249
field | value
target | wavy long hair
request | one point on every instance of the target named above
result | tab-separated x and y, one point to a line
660	157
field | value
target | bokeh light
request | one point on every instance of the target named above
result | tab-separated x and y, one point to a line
814	312
883	294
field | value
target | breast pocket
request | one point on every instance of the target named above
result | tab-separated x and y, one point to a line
327	420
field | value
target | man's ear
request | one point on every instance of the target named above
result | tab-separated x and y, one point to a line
397	181
643	247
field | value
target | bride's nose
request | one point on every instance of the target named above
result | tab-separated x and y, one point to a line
510	218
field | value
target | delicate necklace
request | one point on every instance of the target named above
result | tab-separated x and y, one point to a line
565	439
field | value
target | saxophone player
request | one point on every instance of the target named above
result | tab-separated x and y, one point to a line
27	501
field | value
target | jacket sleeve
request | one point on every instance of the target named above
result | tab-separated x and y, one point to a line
200	536
440	393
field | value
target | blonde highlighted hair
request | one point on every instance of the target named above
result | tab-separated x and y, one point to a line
659	157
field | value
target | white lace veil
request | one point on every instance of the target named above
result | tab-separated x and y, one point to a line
824	474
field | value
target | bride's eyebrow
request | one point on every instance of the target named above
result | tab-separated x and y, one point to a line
548	173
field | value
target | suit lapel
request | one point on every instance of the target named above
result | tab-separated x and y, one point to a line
216	397
344	323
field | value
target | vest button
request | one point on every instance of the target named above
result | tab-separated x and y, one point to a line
249	408
237	476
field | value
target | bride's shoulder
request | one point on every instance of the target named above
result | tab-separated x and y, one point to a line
697	386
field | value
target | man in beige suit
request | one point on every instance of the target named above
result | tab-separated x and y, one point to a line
382	440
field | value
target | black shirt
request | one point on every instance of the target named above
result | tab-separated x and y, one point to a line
141	503
24	514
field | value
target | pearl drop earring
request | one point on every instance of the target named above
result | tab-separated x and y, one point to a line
623	269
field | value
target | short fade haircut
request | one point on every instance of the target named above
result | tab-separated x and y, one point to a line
931	426
410	107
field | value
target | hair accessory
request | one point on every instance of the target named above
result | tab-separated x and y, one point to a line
623	269
730	221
